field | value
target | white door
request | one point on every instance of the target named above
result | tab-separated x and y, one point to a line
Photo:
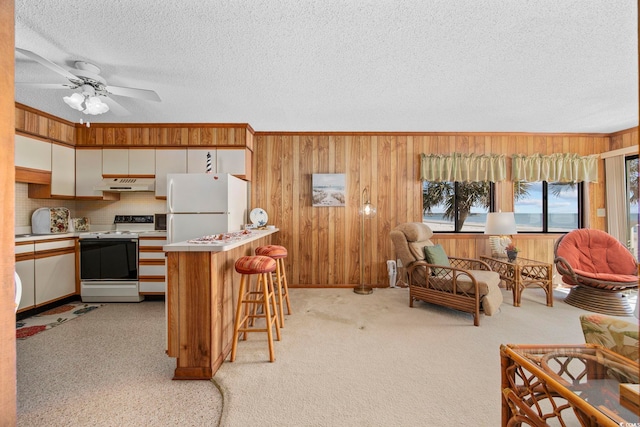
197	193
181	227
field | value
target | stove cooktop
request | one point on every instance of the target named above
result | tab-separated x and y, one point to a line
109	235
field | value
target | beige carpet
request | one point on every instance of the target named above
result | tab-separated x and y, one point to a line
109	368
356	360
344	360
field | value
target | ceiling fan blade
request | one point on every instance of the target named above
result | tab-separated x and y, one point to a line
149	95
50	65
46	85
114	107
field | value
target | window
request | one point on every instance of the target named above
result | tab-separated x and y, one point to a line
631	170
456	206
547	207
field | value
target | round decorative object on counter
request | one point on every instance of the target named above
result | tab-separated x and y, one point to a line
259	217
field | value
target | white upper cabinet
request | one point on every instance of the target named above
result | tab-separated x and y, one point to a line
125	162
223	160
197	160
88	172
115	161
63	167
32	153
168	161
231	161
142	162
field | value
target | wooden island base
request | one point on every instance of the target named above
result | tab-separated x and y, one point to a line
202	287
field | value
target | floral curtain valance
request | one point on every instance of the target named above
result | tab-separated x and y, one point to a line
463	167
560	167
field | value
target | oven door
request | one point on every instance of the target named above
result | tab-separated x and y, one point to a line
109	259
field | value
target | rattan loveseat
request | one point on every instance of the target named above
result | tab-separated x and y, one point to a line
466	284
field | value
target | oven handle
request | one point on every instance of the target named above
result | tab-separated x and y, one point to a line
107	239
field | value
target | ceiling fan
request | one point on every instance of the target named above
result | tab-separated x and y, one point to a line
94	93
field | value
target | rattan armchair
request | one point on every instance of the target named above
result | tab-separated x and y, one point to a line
465	284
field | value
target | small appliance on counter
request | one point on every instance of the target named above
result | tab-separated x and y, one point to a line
80	224
50	220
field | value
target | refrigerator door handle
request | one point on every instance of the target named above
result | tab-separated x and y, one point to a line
170	231
170	196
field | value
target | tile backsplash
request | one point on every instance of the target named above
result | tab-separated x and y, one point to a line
98	211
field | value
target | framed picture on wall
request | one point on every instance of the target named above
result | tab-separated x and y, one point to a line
328	189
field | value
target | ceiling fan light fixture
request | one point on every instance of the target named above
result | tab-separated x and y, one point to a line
94	106
74	101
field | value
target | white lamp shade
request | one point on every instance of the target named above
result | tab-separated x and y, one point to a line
500	223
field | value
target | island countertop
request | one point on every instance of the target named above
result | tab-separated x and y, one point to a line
201	296
218	246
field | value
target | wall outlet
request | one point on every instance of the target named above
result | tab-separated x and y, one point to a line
601	212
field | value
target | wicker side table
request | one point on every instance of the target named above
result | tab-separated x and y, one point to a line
523	273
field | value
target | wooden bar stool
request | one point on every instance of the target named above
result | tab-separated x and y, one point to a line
278	253
251	298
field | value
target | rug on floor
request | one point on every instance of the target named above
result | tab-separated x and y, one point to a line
30	326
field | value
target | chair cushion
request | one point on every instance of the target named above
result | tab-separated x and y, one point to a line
272	251
436	255
255	265
596	252
488	288
486	279
615	334
415	231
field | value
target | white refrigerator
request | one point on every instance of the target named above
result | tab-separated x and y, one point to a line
200	204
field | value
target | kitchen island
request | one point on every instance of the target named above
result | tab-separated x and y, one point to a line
202	287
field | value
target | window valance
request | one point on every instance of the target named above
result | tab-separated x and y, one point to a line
463	167
559	167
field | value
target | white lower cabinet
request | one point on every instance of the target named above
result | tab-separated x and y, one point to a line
55	277
47	270
26	269
152	268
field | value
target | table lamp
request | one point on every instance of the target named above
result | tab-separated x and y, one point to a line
500	225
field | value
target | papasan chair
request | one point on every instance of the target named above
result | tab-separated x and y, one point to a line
599	268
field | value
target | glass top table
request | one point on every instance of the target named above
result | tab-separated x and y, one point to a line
585	385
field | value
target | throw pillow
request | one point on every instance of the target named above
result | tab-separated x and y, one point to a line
436	255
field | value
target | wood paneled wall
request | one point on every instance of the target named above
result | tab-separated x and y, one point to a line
37	123
165	135
324	243
625	138
7	201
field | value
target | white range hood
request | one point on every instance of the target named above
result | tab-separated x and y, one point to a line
126	184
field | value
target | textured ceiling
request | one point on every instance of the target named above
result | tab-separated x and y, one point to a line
346	65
